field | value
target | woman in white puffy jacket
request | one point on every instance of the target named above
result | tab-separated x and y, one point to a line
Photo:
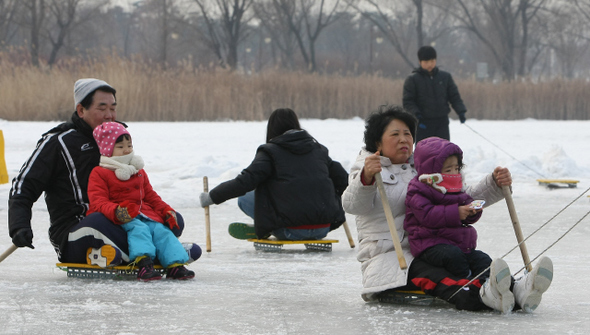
389	141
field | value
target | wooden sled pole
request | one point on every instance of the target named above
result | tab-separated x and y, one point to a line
207	221
396	243
516	226
8	251
348	235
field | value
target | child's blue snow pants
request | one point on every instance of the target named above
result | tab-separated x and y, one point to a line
147	237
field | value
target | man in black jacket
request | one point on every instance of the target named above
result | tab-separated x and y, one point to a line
59	167
427	94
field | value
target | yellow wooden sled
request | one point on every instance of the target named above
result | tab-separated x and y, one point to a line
78	270
276	245
558	183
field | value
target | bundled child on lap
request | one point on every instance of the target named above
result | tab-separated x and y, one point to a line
439	215
120	189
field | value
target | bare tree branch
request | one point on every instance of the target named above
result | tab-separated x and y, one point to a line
65	14
8	11
223	36
307	25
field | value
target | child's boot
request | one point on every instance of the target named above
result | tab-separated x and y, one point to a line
495	292
179	272
529	288
146	271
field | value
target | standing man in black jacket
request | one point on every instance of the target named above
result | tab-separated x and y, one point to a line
428	92
59	167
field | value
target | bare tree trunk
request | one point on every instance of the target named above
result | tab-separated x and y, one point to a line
272	18
8	11
503	20
293	15
314	22
386	25
420	15
66	17
528	10
164	34
36	10
232	53
223	36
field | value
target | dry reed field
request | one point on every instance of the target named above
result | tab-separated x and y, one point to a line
145	92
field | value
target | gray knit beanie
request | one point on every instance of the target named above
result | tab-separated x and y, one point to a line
85	86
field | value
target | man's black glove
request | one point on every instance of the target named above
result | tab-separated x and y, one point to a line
23	238
462	117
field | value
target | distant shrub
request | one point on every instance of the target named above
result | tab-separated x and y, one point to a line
145	92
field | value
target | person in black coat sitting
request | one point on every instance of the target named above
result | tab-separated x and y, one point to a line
292	189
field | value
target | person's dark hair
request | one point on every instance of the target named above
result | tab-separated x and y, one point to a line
123	137
426	53
376	123
280	121
87	101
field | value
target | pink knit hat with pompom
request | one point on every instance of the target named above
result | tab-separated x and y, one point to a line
106	135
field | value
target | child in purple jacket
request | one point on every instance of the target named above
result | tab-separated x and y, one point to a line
439	215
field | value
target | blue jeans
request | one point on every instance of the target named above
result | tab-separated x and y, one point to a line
246	204
286	234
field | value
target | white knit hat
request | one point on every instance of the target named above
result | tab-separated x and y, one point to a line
85	86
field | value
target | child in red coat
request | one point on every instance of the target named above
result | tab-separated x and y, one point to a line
120	189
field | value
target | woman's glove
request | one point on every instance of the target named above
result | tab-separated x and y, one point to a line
205	199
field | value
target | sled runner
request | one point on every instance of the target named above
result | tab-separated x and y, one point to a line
406	297
79	270
276	245
558	183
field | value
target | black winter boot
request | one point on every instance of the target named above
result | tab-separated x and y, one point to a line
179	272
146	271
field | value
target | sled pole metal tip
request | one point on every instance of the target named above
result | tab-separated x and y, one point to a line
391	223
348	235
516	226
207	220
8	251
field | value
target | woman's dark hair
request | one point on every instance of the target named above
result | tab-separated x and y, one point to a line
280	121
376	123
